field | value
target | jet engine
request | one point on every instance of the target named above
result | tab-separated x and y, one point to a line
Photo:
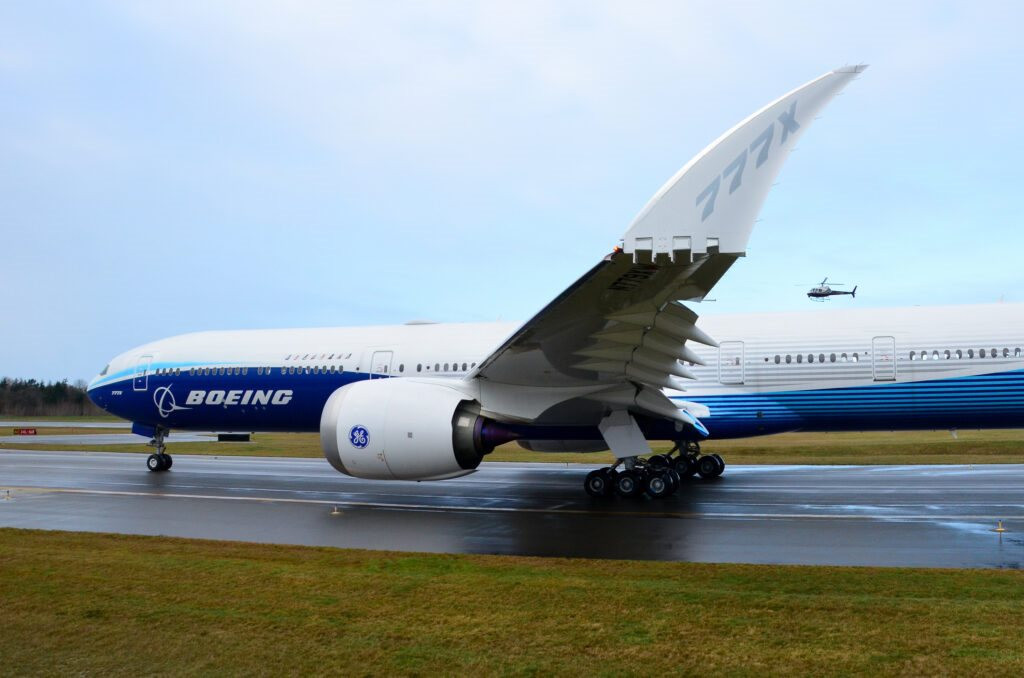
403	429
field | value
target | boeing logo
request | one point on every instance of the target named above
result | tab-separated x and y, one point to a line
164	401
269	397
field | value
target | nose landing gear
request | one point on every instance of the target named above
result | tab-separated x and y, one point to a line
160	461
658	476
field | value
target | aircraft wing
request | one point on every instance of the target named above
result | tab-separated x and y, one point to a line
623	322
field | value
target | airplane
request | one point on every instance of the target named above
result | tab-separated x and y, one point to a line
823	291
613	361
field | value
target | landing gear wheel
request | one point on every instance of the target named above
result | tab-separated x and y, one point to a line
659	461
168	461
685	466
629	484
721	463
676	480
709	467
598	483
658	484
155	463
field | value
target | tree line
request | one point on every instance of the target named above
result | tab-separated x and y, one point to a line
31	398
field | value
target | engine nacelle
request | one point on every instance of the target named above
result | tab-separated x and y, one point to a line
401	429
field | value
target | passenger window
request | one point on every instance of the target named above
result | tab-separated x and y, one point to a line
981	353
959	354
854	357
832	357
843	357
995	354
1006	353
799	357
778	359
913	355
789	359
472	364
810	357
1016	353
419	367
821	357
437	367
935	355
463	367
970	353
446	367
946	354
401	367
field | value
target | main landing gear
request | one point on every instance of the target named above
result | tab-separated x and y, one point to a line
161	461
657	476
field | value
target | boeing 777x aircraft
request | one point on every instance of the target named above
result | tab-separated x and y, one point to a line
614	360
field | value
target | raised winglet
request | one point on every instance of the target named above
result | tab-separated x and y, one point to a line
712	202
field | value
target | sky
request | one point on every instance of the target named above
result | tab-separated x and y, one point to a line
168	167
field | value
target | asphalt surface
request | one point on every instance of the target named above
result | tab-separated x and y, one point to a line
928	516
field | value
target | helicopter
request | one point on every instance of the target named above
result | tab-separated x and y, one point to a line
822	291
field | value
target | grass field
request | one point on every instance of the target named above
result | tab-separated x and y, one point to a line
44	430
903	447
119	605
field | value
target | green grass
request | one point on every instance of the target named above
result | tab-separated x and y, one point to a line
44	430
901	447
69	417
122	605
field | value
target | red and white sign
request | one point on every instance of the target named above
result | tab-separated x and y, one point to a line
24	431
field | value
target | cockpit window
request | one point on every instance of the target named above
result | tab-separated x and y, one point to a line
105	370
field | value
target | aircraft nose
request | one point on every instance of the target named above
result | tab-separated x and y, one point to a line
96	394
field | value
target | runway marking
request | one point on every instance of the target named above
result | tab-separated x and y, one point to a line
504	509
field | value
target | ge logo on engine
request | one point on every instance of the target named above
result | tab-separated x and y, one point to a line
359	437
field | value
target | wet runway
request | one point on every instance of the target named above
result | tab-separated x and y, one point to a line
930	516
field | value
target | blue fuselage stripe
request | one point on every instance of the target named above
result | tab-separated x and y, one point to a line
293	402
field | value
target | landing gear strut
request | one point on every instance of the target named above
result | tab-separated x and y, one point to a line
161	461
658	476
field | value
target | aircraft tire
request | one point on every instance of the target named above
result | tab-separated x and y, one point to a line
685	466
659	461
598	483
629	484
658	484
708	467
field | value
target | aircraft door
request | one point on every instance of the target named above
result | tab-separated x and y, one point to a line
730	362
883	358
380	364
141	380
